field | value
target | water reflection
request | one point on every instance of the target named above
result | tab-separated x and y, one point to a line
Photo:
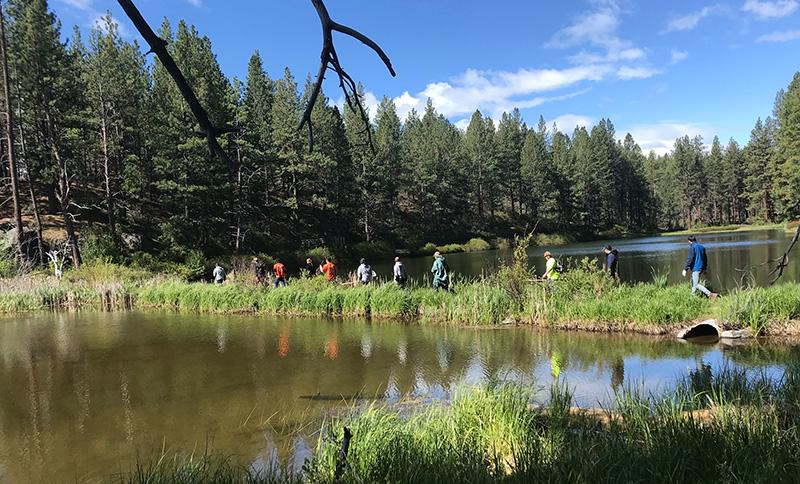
84	394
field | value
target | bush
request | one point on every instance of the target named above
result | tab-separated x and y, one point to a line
476	245
427	249
450	248
195	266
100	246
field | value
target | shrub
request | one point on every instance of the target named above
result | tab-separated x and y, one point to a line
427	249
100	246
450	248
194	267
476	245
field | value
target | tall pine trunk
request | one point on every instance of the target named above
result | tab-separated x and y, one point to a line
107	175
12	163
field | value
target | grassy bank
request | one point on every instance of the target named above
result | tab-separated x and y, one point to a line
732	427
716	229
584	298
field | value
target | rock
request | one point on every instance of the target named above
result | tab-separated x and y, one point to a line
736	334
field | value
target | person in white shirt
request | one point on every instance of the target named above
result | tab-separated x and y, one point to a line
364	272
399	272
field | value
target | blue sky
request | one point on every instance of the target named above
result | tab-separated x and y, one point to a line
658	69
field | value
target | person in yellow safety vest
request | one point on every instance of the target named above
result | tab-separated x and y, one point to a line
551	267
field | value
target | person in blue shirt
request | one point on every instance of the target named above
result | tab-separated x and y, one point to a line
612	261
697	263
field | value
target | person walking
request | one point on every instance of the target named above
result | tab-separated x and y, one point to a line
399	272
697	264
551	272
259	270
280	274
219	274
364	272
309	269
612	261
441	273
329	269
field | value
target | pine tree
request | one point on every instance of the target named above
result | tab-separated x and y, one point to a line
539	188
480	154
688	157
787	158
47	75
717	196
509	137
758	155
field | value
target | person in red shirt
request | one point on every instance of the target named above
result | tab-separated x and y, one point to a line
280	273
329	269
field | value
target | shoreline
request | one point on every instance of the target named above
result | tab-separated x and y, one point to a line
582	302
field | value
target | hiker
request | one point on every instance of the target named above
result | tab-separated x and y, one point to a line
219	274
329	269
280	274
697	263
551	272
309	268
399	272
441	273
612	261
364	272
259	270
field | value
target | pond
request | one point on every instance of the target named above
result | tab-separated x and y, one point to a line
735	258
83	396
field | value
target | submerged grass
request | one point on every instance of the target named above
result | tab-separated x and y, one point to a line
729	427
584	297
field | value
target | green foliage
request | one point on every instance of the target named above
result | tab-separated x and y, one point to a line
476	245
100	247
428	249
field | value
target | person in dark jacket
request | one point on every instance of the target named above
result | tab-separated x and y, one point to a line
697	264
309	269
612	261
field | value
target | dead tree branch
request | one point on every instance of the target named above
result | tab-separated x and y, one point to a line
158	46
783	261
329	59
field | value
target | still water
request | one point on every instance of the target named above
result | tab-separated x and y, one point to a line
82	396
735	258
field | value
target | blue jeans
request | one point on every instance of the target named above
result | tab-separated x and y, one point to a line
697	286
281	281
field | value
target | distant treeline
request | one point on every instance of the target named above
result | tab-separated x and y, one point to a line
103	134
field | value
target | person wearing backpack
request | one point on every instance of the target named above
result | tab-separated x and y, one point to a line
441	273
552	268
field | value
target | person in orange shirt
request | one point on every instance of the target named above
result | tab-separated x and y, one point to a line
280	273
329	269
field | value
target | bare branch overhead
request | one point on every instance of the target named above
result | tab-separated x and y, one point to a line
783	262
158	46
329	59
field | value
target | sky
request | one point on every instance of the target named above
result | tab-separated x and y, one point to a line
657	69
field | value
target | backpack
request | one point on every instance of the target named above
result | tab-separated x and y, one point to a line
559	267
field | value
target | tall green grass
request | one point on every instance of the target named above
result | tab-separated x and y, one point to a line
584	297
729	426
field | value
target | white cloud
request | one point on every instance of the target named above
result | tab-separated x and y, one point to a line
770	9
783	36
626	72
85	5
498	91
678	56
691	20
195	3
566	123
661	137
